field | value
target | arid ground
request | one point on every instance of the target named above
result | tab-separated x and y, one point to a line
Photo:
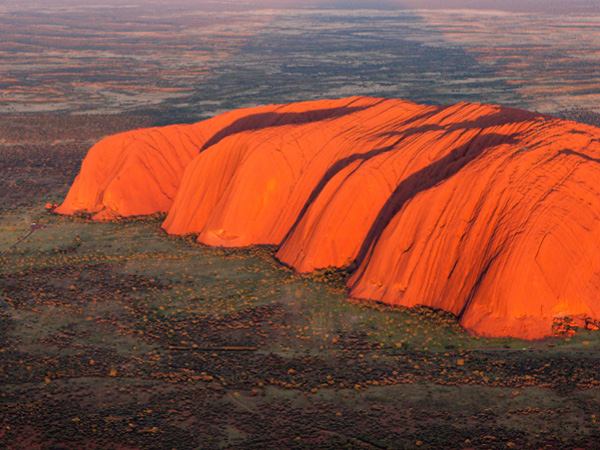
117	336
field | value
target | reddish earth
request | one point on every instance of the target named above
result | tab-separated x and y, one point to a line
487	212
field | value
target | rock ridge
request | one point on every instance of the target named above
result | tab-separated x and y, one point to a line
487	212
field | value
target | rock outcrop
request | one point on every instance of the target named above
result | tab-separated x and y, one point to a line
487	212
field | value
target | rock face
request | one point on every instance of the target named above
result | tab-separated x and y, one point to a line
490	213
132	173
139	172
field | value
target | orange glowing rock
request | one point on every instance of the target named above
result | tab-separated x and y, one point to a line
132	173
490	213
138	172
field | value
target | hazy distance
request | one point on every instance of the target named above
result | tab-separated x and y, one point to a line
524	6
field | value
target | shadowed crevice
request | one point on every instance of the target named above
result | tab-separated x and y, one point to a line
503	117
260	121
581	155
423	180
345	162
499	118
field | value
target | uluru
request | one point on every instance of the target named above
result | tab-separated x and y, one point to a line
487	212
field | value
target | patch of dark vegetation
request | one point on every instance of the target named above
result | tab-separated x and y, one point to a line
580	115
67	286
40	154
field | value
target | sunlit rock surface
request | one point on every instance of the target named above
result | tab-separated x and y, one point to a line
139	172
487	212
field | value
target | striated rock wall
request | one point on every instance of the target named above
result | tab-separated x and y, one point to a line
487	212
